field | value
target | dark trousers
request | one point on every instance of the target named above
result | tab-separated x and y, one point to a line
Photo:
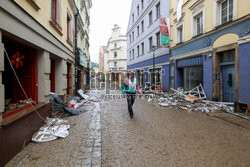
130	100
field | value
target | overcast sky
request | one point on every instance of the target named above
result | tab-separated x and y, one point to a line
103	15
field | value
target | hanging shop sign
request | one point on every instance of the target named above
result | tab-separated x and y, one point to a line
17	60
82	59
164	34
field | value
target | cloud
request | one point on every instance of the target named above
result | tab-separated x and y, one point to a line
103	15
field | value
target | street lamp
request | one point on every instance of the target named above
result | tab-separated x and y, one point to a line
153	49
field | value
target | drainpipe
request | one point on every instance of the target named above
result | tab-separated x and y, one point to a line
76	52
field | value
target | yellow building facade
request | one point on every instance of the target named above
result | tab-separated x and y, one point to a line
209	44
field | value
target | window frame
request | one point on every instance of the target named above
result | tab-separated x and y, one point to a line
142	48
138	10
150	42
138	31
115	54
158	39
138	50
220	10
178	35
142	26
150	18
158	10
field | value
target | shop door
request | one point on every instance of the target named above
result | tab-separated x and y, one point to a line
228	83
28	78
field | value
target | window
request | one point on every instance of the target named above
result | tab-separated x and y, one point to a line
142	26
138	31
130	55
55	12
138	50
226	11
158	39
130	38
193	76
199	24
138	10
158	11
133	53
115	45
142	4
180	34
68	27
150	43
115	54
115	64
150	18
172	75
142	48
133	17
133	36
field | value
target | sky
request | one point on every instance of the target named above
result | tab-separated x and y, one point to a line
103	15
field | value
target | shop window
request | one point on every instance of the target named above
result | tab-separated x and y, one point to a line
172	75
24	61
157	76
193	76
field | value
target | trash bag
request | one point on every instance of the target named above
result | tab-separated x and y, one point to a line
60	109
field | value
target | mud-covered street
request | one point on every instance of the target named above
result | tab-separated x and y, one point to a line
166	137
156	137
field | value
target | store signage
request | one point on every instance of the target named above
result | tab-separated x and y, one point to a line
164	34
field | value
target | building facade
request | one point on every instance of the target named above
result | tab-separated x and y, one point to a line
143	42
102	53
210	45
82	47
37	44
116	60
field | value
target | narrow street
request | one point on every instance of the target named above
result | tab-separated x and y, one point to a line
106	136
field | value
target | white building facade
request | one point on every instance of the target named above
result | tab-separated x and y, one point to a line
143	34
115	61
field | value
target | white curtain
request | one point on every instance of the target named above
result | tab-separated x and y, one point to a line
179	6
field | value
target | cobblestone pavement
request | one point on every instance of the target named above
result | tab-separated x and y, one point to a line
156	137
82	148
163	137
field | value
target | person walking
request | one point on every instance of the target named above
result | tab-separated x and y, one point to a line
129	87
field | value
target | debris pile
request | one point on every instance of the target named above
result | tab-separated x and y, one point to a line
193	100
9	105
60	109
54	128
